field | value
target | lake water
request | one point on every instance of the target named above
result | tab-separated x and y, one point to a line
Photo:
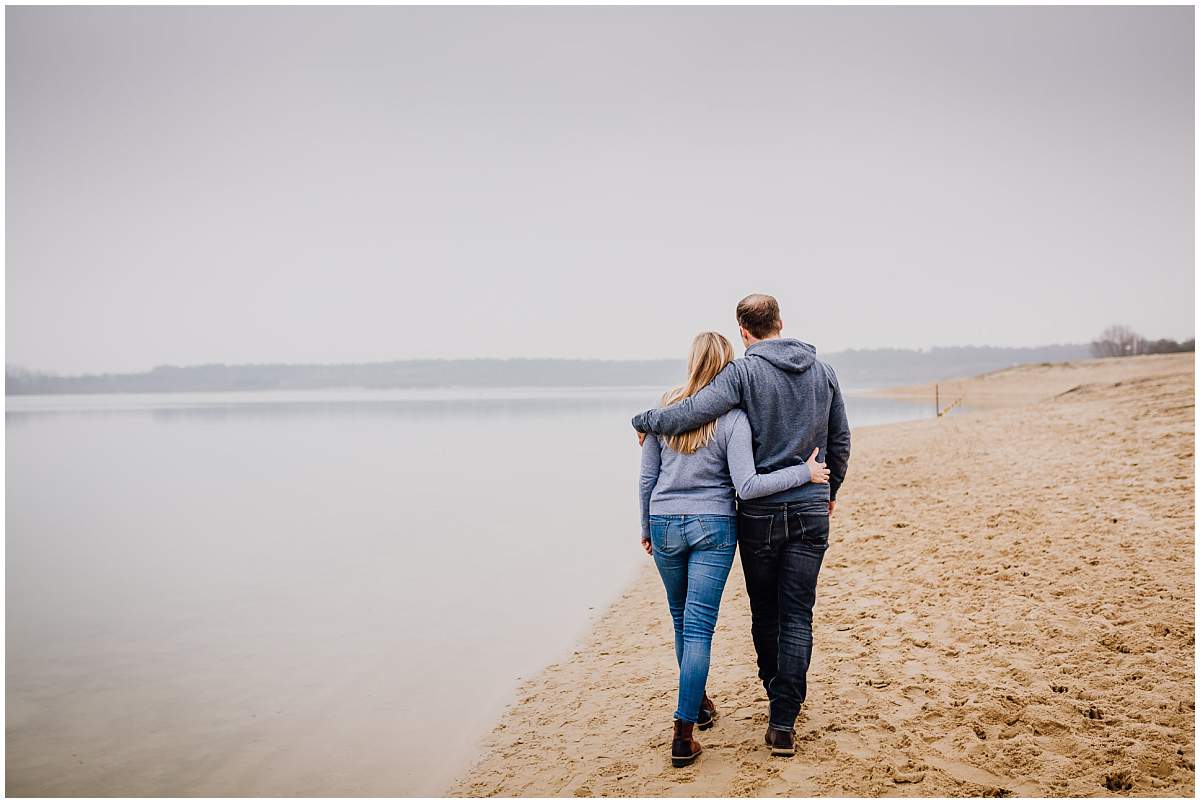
303	593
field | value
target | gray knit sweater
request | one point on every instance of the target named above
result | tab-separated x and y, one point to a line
705	481
793	402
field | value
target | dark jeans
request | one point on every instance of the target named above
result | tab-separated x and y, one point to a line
782	547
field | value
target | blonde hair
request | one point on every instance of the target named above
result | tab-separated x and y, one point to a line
711	352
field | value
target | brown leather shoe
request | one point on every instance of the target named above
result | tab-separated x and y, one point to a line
781	742
684	749
708	714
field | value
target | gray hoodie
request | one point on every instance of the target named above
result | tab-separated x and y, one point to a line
793	402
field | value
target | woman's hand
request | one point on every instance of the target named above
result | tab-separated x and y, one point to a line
820	474
647	546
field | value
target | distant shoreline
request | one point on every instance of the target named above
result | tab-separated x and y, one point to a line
1025	383
860	368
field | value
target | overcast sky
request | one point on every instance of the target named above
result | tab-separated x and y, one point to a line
307	184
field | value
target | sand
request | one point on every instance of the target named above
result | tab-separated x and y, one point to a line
1006	608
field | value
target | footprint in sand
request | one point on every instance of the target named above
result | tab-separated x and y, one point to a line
1120	781
1115	643
617	769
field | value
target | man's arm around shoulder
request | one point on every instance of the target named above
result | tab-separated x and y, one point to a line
710	403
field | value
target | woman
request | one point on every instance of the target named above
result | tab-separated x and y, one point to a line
688	483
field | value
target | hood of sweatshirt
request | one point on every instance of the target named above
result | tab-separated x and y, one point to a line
785	354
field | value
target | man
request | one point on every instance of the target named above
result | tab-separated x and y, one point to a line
794	405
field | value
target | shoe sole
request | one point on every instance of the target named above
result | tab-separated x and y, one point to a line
677	763
783	752
707	725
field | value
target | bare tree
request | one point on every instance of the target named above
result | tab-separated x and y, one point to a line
1118	341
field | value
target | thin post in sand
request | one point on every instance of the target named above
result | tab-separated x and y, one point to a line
937	401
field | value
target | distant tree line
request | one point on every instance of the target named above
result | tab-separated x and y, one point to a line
865	368
857	368
1121	341
377	375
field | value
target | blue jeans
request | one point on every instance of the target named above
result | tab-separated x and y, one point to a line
782	546
693	555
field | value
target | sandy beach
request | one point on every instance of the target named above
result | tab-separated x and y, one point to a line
1006	608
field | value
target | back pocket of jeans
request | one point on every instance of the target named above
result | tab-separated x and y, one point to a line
754	531
809	528
720	532
665	536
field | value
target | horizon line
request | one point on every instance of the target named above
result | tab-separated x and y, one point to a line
18	367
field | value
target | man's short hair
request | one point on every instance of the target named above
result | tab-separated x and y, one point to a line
758	314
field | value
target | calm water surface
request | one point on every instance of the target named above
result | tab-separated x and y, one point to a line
317	593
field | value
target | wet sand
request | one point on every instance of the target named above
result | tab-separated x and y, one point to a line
1006	607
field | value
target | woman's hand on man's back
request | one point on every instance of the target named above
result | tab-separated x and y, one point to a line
820	474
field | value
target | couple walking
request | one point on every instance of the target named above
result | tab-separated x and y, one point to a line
750	452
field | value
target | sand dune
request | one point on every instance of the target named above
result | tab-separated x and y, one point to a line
1028	383
1007	607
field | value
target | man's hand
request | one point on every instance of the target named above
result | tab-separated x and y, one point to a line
641	438
832	506
646	545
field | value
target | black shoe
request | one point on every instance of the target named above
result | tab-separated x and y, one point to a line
781	742
684	749
708	714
